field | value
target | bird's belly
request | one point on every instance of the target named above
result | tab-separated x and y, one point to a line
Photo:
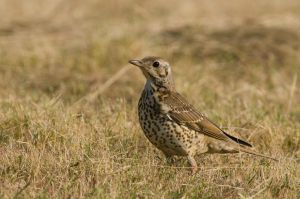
168	136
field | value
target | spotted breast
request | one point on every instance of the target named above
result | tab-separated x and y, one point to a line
168	136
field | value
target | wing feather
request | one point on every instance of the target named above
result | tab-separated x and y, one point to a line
184	113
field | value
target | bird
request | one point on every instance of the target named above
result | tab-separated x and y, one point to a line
175	126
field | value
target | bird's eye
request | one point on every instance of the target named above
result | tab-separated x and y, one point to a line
155	64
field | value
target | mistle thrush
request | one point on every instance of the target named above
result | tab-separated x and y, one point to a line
175	126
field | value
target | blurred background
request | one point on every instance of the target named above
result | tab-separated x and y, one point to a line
237	61
71	46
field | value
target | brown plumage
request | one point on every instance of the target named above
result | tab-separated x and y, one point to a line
172	124
185	114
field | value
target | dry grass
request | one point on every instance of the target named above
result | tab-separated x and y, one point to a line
238	62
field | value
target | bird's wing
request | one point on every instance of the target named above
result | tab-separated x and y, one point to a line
184	113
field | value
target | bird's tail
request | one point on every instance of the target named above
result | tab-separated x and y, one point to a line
254	153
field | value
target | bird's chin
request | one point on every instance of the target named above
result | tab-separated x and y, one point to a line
147	76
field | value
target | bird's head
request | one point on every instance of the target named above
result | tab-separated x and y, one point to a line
156	70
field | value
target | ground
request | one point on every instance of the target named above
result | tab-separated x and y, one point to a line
68	97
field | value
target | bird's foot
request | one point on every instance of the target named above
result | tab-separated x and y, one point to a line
194	170
193	164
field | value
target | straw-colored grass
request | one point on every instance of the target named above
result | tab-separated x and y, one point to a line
69	127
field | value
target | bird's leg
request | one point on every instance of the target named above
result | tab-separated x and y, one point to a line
193	164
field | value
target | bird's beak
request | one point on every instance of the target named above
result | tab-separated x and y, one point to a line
136	62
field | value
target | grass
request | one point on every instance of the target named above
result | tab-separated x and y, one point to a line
238	65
